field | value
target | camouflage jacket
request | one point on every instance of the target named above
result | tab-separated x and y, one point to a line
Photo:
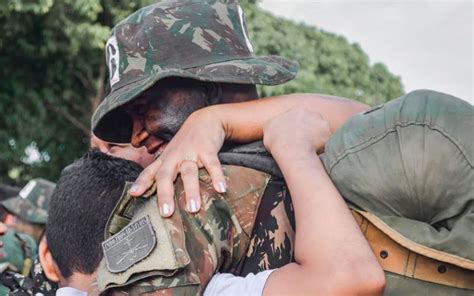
17	252
34	283
237	232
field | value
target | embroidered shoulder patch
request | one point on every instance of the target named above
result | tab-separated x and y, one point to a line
130	245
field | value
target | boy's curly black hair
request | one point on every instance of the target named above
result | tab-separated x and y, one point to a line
85	195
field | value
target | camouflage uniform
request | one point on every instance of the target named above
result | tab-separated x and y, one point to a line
409	166
16	256
144	252
19	250
207	41
34	283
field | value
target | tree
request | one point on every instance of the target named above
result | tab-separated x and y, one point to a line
53	74
328	63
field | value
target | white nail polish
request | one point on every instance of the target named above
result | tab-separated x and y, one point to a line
221	186
165	209
193	206
134	188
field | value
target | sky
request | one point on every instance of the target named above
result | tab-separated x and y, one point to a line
429	44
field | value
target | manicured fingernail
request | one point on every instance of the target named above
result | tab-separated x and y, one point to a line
192	207
134	188
165	209
221	187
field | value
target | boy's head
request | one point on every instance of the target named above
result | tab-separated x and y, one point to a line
86	194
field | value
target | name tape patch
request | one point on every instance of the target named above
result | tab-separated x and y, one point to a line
129	246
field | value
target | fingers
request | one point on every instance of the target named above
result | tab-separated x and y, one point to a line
213	167
146	179
189	175
164	177
164	173
165	191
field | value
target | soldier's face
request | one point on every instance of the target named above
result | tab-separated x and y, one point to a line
125	151
158	113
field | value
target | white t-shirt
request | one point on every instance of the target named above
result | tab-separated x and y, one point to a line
226	284
221	284
67	291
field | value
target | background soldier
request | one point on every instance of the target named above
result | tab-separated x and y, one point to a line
28	212
26	220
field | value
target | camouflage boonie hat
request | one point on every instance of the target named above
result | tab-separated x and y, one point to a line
202	40
32	202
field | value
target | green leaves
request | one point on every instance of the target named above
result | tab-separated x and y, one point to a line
328	63
36	7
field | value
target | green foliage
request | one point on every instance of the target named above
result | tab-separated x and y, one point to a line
53	73
328	63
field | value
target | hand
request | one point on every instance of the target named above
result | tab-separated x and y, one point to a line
194	146
298	129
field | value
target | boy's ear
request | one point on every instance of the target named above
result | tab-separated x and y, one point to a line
47	262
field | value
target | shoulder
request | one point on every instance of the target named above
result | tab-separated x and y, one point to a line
184	251
16	249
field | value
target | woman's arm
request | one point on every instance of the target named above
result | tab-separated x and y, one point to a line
332	256
243	122
202	135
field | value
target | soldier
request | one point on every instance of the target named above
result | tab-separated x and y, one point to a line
27	216
370	159
217	51
70	254
16	254
28	212
17	250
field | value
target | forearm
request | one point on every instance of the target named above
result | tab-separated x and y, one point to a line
331	253
243	122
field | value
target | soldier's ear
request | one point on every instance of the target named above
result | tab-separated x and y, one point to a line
47	262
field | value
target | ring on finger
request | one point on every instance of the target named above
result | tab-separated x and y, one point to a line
191	157
157	154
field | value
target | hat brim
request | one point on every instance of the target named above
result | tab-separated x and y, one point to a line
266	70
17	205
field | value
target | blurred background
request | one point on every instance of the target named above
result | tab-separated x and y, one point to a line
53	72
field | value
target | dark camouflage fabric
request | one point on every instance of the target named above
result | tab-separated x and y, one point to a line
17	252
35	283
32	202
221	237
273	237
203	40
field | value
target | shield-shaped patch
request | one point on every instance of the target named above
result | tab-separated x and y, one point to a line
130	245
